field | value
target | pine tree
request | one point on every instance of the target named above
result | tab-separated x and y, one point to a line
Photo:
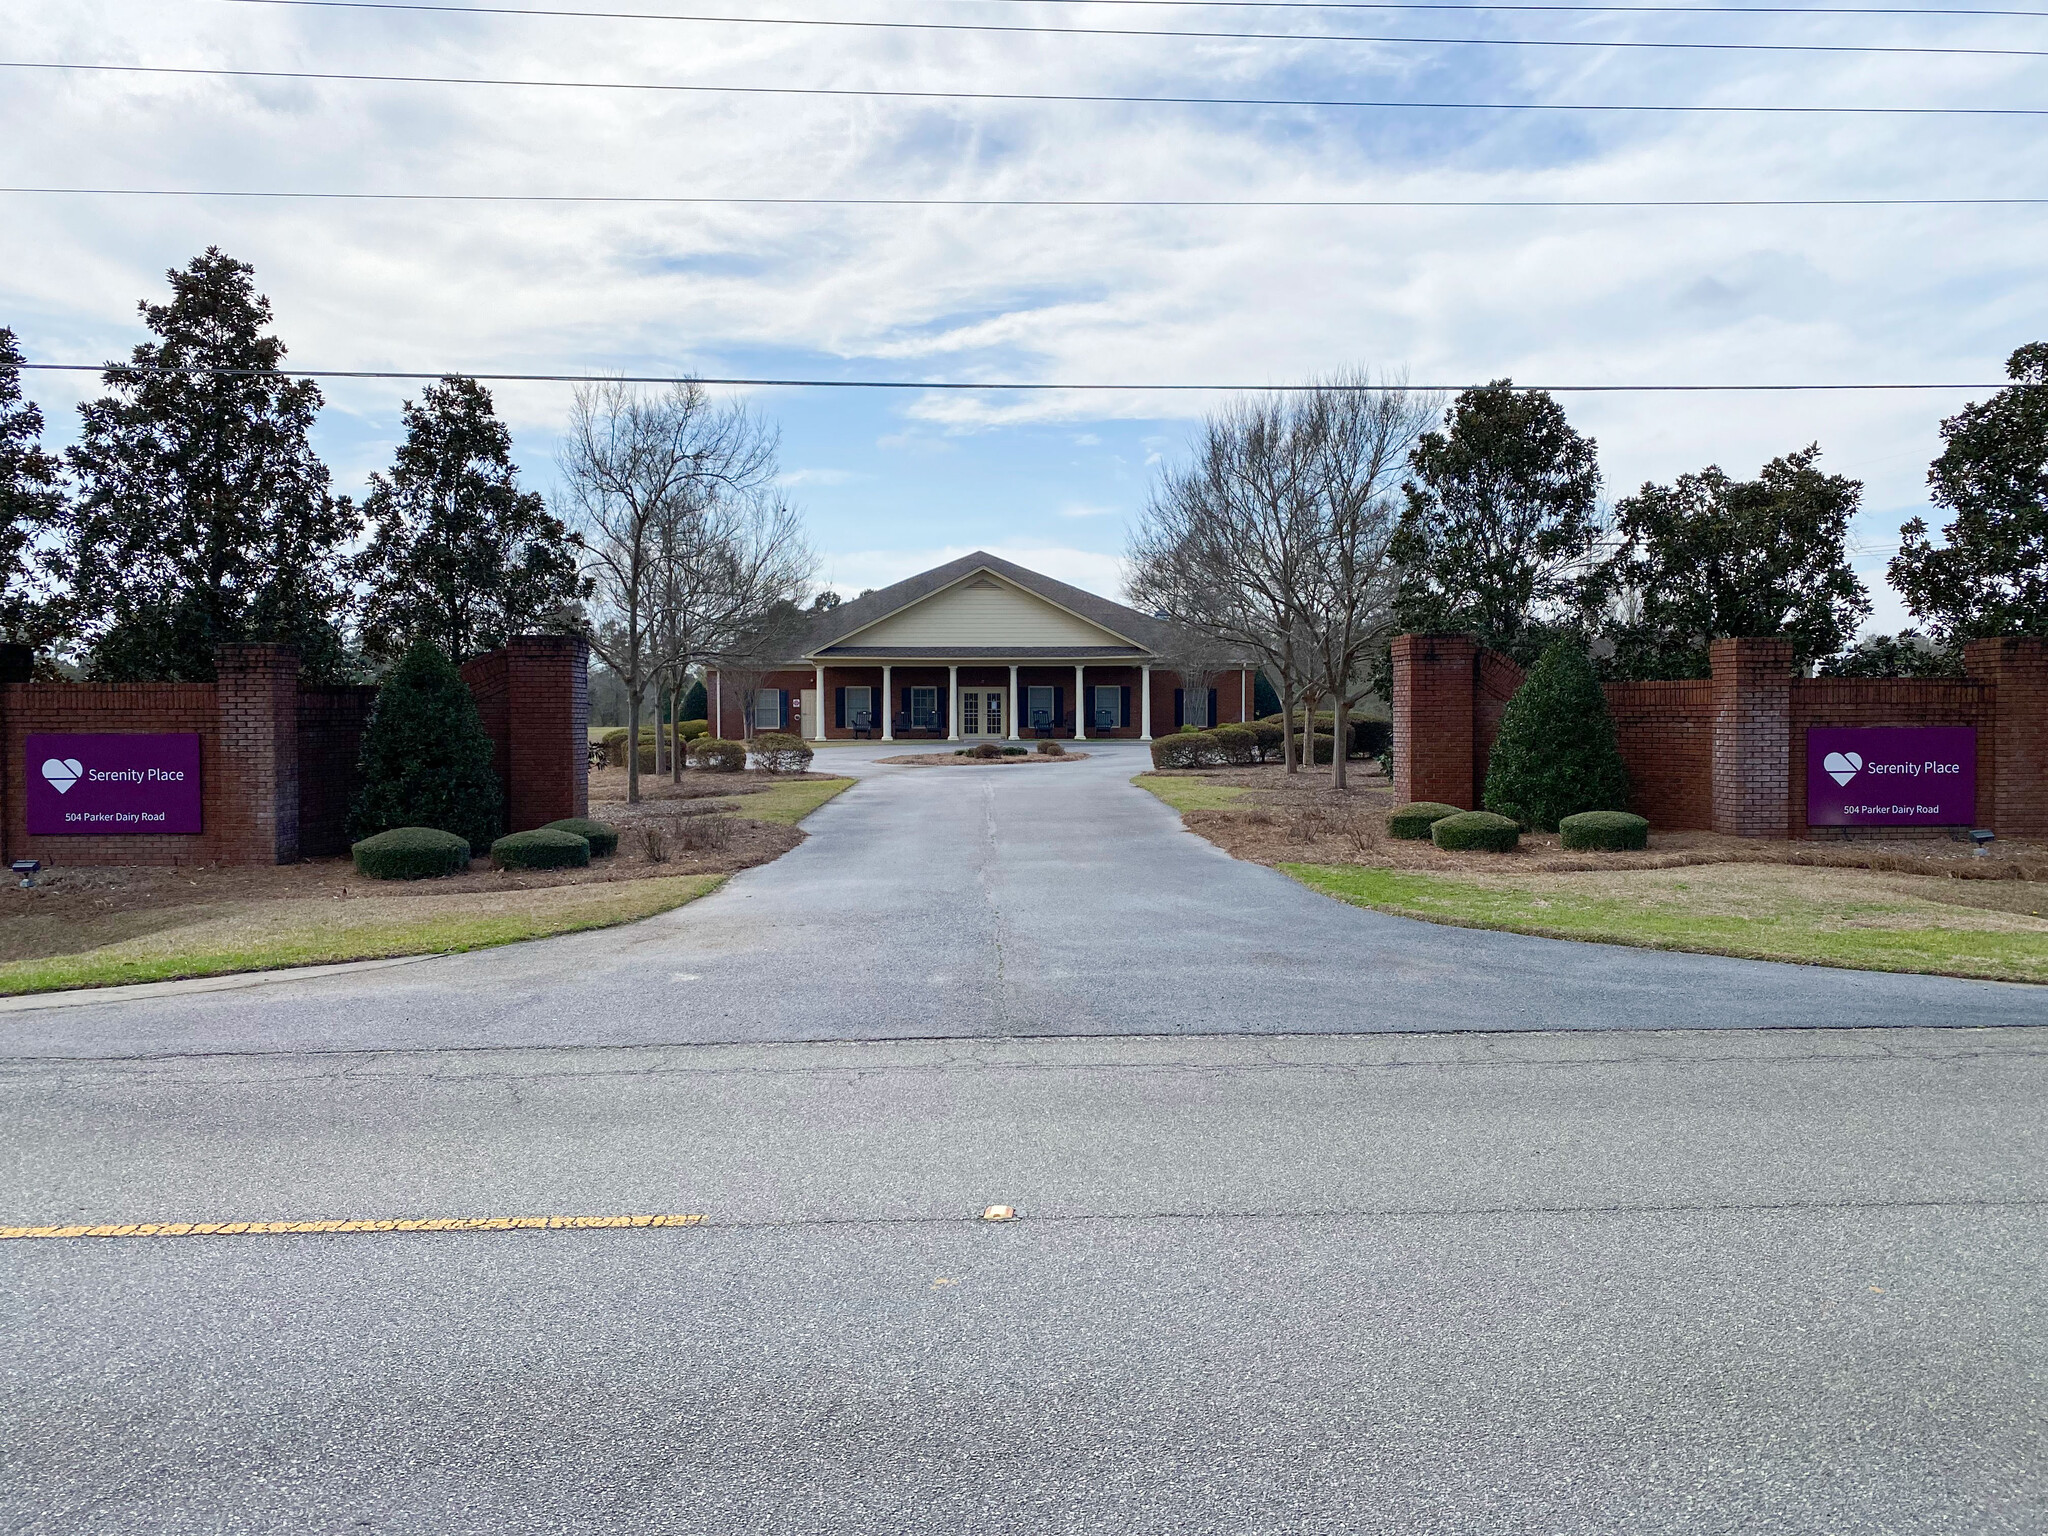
459	554
426	759
1556	754
31	501
696	704
203	515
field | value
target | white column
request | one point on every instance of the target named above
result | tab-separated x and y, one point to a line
1145	704
1015	734
818	725
888	702
1080	706
717	704
953	702
1244	683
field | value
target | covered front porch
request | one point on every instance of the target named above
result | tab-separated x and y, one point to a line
977	699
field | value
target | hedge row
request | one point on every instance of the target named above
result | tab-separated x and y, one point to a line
614	742
542	848
782	753
713	755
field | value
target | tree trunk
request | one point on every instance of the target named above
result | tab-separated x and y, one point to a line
1287	719
675	750
633	688
1339	733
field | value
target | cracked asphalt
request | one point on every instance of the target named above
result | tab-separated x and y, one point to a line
1329	1222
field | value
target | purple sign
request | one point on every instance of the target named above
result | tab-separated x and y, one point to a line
104	785
1891	776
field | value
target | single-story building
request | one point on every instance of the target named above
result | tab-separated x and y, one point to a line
977	649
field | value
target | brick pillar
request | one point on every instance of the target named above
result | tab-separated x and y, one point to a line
2012	756
540	724
257	692
1752	692
1433	725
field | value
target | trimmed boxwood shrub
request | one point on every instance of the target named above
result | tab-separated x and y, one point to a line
426	760
1613	830
780	752
714	755
1480	831
1267	735
1185	749
1016	751
692	729
542	848
602	836
411	853
1413	821
1238	745
1050	748
987	751
1556	754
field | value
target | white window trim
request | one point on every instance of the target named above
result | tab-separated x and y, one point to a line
930	722
868	703
1116	703
763	699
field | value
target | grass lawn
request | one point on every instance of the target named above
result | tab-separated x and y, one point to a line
791	802
1814	916
257	935
1190	794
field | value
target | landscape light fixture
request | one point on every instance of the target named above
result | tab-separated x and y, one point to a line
1981	836
26	868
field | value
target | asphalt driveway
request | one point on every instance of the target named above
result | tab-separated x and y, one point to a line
1005	901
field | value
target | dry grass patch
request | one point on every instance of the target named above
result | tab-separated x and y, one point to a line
1907	905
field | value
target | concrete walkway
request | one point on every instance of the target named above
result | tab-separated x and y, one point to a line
1039	900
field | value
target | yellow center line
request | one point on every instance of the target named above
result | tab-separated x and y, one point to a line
372	1224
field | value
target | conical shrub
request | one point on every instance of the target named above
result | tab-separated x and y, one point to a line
1556	754
426	760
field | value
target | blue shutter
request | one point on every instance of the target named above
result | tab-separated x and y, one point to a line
1212	706
839	708
1123	706
1059	704
1178	722
781	708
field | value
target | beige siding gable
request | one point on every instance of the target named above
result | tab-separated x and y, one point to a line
982	610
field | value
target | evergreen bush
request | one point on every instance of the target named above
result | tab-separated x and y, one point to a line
426	760
1267	736
1556	754
1611	830
602	836
1237	745
780	752
1476	831
1050	748
715	756
542	848
411	853
1413	821
1186	749
692	729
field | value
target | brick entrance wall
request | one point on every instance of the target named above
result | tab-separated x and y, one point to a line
277	761
1728	753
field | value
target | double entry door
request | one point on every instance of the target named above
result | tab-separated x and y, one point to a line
984	712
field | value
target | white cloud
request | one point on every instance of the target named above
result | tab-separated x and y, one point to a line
796	477
1083	509
1163	295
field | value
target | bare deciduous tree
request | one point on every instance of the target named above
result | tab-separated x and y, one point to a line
666	490
1275	540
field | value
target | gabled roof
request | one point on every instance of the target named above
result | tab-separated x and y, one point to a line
839	624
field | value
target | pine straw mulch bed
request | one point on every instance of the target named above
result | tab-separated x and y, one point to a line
1303	821
105	904
958	760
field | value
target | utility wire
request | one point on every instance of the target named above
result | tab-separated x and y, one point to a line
1392	40
1293	5
1719	109
972	387
1045	202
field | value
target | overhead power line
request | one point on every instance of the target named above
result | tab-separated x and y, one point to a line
1297	5
631	199
1041	97
1385	39
986	387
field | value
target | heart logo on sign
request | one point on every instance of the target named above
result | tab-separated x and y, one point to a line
63	772
1842	766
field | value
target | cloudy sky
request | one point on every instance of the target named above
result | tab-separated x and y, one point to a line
892	482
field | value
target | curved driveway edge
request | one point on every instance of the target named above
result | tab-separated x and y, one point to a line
1007	901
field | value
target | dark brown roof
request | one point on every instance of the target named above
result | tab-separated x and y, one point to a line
837	623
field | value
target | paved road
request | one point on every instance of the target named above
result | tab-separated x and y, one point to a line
1506	1253
1625	1282
1009	901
